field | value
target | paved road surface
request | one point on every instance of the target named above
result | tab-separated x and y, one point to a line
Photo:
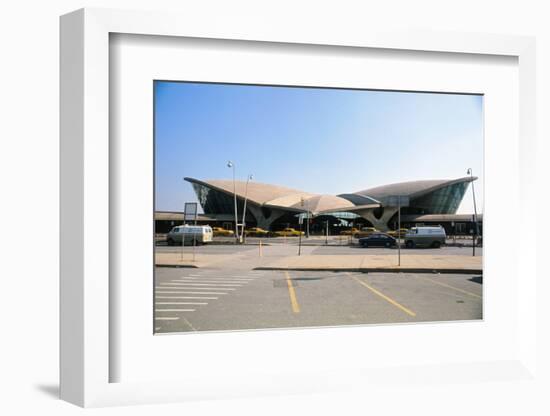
318	250
240	298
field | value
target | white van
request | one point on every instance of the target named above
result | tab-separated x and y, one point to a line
425	237
201	234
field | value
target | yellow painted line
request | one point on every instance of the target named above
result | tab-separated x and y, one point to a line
450	287
386	298
292	294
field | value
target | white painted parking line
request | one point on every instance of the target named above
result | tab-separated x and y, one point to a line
167	318
230	282
208	279
177	292
171	286
218	279
180	303
203	284
199	288
220	276
197	297
189	283
158	328
174	310
215	276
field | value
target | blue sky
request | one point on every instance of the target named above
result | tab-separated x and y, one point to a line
327	141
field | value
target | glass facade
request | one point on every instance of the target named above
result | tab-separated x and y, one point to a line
442	201
357	199
341	215
214	202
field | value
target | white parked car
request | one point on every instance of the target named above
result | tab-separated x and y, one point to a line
201	234
425	237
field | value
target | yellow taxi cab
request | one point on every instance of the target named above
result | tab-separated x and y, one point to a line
350	232
256	232
365	232
398	233
222	232
288	232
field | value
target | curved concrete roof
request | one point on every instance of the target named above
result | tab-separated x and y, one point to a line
275	196
324	203
257	192
281	197
412	188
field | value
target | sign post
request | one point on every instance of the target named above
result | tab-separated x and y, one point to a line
476	232
190	214
300	221
307	221
398	201
474	235
454	232
399	232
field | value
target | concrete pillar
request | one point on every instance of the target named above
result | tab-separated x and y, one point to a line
382	223
261	220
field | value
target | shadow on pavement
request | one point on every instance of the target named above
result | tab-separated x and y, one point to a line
476	279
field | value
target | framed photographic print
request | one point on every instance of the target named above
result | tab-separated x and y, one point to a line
264	255
244	213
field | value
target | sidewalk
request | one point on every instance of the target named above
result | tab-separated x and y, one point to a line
188	260
379	263
357	263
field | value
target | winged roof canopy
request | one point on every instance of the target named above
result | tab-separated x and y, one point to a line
412	189
289	199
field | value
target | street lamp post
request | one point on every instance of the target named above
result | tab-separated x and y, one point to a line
469	172
230	164
248	179
399	231
300	220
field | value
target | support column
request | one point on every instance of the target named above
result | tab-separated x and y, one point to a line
261	220
382	223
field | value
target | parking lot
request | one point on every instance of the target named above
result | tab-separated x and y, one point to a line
232	295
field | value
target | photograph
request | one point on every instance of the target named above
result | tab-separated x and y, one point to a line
283	206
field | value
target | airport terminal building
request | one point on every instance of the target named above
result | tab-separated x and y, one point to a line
273	207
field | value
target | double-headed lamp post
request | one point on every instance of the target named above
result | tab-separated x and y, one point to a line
230	164
248	179
469	172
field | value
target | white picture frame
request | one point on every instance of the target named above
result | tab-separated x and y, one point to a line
86	355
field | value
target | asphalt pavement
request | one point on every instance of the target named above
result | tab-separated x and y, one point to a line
319	249
239	298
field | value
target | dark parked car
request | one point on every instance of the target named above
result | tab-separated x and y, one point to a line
378	240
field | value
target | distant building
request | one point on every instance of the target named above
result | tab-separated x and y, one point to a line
272	206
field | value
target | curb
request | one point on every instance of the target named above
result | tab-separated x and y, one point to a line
219	243
178	266
376	270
